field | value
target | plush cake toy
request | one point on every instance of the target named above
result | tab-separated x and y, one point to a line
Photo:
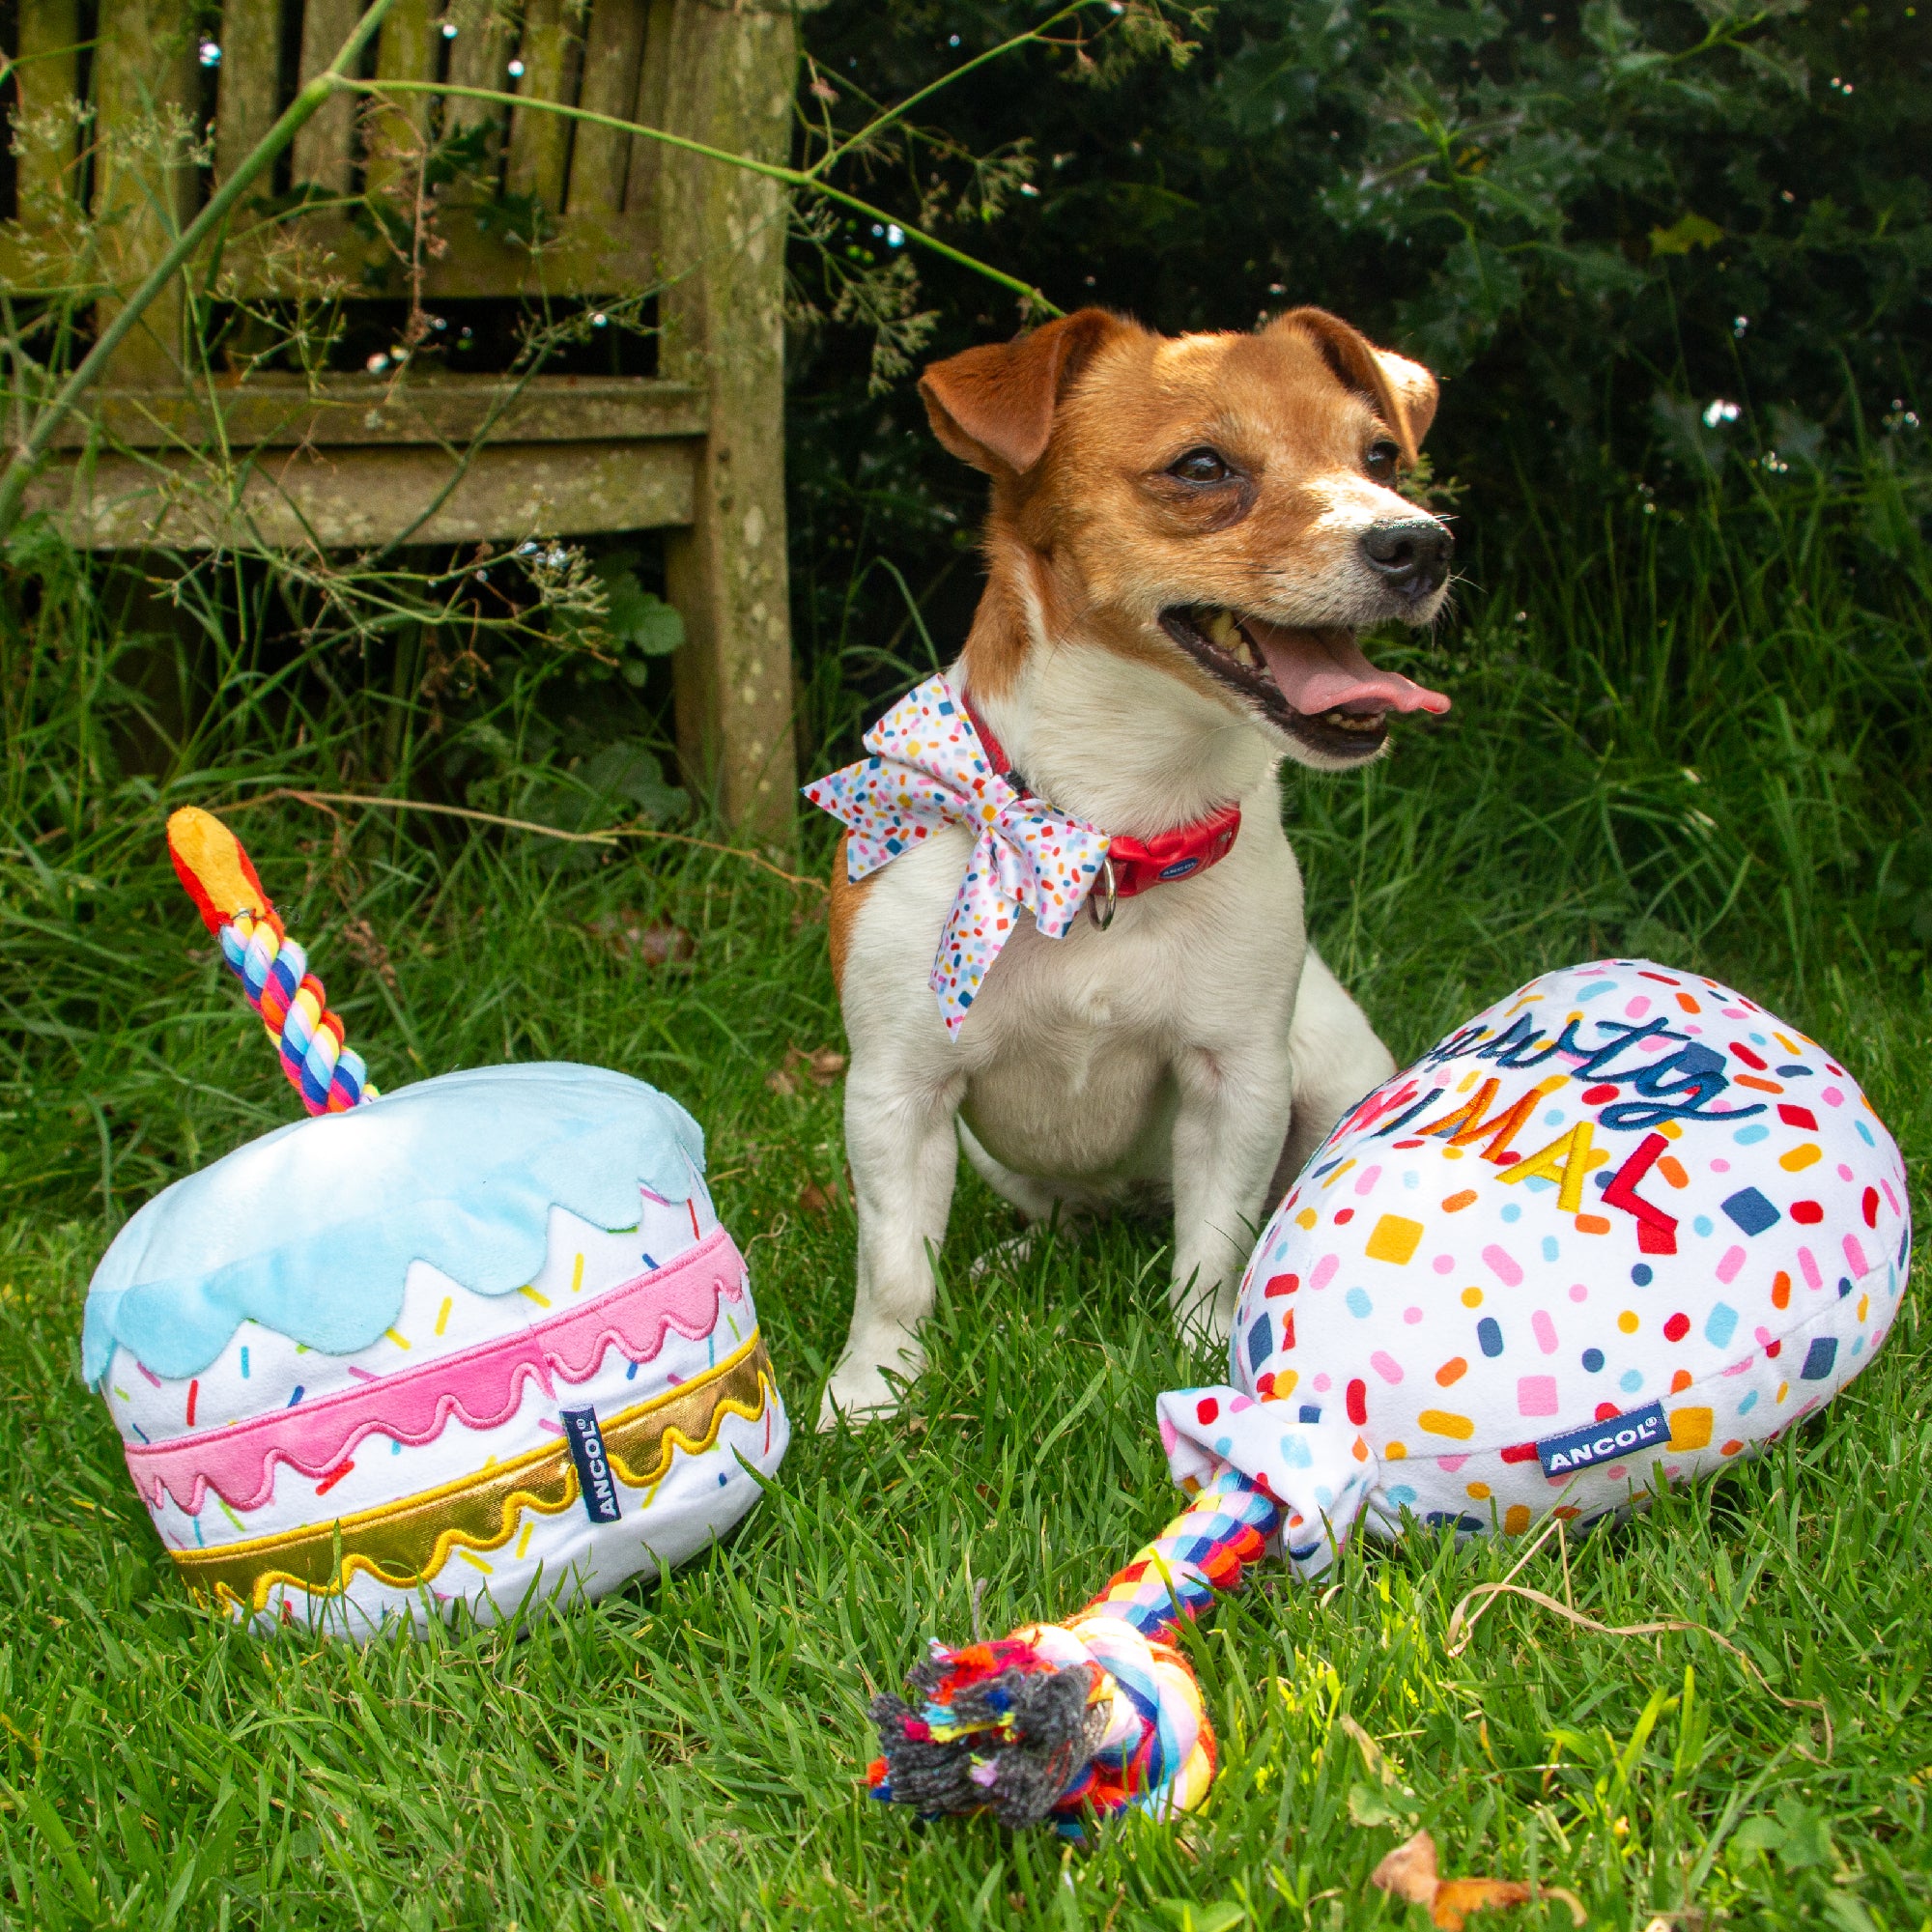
480	1342
1620	1229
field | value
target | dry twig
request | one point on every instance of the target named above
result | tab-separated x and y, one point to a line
1459	1630
321	801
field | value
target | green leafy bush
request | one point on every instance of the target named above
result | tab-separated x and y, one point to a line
1645	239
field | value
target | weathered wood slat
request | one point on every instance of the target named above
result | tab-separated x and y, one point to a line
144	88
587	259
396	132
540	142
641	185
348	498
47	76
252	66
351	411
324	151
601	157
731	77
486	35
352	463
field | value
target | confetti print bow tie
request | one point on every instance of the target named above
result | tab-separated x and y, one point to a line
927	770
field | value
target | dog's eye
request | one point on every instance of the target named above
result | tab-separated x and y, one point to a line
1200	466
1382	459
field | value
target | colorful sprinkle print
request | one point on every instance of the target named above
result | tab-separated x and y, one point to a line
361	1491
1635	1226
928	770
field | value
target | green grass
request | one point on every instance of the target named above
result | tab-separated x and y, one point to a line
693	1753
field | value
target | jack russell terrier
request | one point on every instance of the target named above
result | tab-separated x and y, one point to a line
1183	537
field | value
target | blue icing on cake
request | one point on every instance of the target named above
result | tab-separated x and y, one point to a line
310	1229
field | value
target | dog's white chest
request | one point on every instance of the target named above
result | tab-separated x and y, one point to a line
1071	1071
1090	995
1078	1047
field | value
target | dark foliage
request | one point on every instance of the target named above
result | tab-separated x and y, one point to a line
1645	239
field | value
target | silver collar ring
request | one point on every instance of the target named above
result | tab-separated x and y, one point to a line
1103	920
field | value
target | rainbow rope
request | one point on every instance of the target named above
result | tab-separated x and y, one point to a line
329	1075
1097	1713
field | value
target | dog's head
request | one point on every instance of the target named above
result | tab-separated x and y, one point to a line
1222	505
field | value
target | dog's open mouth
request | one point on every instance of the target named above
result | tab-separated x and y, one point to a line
1316	685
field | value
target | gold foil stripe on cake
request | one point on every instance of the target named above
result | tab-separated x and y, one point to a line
405	1544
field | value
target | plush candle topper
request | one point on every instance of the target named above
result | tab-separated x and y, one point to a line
1620	1229
480	1344
208	860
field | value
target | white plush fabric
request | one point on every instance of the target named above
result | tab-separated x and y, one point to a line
436	1468
1623	1227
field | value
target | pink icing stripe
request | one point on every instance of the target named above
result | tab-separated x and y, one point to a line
481	1386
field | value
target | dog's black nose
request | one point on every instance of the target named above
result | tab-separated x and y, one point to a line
1413	555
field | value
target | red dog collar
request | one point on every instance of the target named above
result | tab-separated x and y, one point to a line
1133	864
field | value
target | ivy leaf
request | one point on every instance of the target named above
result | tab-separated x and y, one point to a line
1801	1837
1807	1837
627	773
1757	1835
1777	64
620	780
1607	26
634	619
1685	233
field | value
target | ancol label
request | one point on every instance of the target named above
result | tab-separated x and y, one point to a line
593	1466
1603	1442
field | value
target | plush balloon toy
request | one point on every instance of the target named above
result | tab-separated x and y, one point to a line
1620	1230
480	1342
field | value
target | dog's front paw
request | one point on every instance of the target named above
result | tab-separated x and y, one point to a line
861	1391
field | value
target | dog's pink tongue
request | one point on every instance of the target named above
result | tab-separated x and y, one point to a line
1323	670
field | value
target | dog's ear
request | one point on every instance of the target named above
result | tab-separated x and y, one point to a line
993	406
1415	389
1404	392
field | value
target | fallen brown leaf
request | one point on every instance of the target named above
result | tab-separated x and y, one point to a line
653	942
1457	1897
1409	1871
817	1200
822	1067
